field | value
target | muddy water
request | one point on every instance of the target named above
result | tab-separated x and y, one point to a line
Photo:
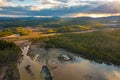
81	69
35	67
76	69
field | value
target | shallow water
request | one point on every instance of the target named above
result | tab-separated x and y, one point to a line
76	69
34	66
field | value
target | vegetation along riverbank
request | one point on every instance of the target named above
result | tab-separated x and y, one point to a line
9	53
103	46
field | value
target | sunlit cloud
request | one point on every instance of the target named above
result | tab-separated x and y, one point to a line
16	16
60	8
46	4
94	15
38	8
114	75
43	16
4	3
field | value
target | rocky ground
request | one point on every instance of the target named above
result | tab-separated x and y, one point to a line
9	72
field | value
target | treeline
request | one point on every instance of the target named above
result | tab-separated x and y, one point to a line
51	22
21	31
5	33
9	52
46	22
18	30
97	46
73	28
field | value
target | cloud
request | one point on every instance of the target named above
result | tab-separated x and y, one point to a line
21	0
59	8
2	15
108	7
1	9
38	8
94	15
114	75
4	3
55	4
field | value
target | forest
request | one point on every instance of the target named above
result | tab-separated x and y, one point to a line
103	46
18	30
9	52
50	22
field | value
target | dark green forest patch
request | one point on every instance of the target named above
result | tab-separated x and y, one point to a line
9	52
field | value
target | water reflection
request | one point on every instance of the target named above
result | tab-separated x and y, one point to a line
75	69
28	68
45	70
81	69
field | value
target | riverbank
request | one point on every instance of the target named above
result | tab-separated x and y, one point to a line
34	57
101	46
76	69
9	54
9	72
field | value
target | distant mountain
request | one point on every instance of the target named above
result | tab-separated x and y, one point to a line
55	21
116	18
35	18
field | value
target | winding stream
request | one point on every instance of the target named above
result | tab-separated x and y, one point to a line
34	66
76	69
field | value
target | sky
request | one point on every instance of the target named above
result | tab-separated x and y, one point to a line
59	8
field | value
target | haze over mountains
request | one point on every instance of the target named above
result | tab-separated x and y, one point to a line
6	22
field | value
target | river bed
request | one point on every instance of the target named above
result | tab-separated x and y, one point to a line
75	69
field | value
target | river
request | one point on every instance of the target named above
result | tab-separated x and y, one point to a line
76	69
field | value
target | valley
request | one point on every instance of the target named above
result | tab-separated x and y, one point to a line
80	51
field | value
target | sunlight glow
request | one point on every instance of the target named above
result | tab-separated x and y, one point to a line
95	15
113	0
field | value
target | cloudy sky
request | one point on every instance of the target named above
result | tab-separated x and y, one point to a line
59	8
